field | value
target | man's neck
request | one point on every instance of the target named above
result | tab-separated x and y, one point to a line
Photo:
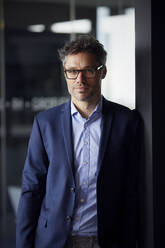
85	108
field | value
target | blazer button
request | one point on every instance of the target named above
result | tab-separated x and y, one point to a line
68	218
72	189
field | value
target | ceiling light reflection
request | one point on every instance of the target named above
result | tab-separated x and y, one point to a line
75	26
38	28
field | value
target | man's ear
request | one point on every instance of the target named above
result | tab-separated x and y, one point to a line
104	72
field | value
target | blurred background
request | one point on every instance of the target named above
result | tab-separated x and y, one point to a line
32	80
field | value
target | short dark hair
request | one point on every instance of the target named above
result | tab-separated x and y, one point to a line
84	43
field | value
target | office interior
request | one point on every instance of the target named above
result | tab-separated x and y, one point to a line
32	80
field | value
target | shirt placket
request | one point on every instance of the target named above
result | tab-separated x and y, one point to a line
84	180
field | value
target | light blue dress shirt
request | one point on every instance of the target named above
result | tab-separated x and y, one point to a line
86	140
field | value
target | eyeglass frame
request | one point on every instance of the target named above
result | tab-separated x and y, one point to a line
82	70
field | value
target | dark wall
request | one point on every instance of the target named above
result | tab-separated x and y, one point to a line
150	88
158	86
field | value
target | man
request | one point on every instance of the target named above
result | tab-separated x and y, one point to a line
79	184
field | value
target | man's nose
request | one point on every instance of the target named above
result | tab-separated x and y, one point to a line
80	77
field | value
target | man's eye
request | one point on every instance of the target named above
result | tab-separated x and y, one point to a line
72	71
89	70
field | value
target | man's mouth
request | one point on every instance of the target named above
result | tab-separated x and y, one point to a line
81	88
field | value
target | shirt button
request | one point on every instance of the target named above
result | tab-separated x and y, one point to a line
85	163
68	218
82	200
85	142
84	182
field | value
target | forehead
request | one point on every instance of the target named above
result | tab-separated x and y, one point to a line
81	59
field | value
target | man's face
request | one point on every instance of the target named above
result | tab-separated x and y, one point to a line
83	88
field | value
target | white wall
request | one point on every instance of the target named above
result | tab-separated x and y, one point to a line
117	33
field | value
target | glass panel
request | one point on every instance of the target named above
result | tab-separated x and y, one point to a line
32	80
117	33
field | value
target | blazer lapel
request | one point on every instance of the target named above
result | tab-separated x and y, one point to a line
66	124
107	117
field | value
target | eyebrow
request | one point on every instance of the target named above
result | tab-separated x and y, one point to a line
86	67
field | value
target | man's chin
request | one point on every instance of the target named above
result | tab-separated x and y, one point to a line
82	97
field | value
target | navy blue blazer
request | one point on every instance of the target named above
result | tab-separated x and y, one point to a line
47	199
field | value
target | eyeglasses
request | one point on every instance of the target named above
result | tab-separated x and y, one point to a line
88	73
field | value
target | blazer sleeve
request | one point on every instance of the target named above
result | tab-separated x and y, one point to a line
33	189
132	176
